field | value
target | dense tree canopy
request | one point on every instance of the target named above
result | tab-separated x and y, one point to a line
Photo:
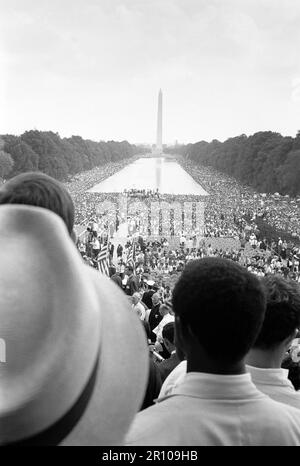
60	157
6	161
266	161
6	164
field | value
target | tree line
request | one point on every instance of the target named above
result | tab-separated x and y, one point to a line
58	157
266	161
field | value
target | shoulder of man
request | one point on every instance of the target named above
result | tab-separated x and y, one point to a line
148	427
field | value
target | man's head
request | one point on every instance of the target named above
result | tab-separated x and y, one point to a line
163	310
129	270
136	297
40	190
282	317
168	334
155	299
219	309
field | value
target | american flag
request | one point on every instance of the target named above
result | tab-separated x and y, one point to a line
102	260
131	256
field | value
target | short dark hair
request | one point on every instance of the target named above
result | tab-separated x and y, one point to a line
129	268
222	304
38	189
282	316
168	332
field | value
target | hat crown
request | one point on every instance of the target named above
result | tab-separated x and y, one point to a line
47	313
57	316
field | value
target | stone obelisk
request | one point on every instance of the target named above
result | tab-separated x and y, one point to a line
159	147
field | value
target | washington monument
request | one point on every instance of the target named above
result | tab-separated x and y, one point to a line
159	147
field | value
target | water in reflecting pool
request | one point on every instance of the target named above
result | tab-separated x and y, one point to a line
151	173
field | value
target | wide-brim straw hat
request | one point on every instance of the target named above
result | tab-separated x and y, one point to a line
74	359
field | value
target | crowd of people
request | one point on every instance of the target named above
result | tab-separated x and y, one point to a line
201	333
85	202
230	205
231	211
142	193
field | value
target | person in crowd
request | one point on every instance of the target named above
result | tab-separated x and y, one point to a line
40	190
121	268
153	386
279	329
217	403
111	251
148	293
166	367
137	305
95	246
81	248
115	277
292	363
164	310
167	295
94	227
132	284
154	316
154	378
269	354
119	250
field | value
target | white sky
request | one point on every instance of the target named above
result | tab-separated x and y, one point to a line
94	67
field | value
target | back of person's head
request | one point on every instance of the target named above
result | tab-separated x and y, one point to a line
40	190
163	309
221	305
168	332
282	316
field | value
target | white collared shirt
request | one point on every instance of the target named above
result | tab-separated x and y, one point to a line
275	384
210	409
173	380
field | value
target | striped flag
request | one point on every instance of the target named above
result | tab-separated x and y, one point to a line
102	260
131	256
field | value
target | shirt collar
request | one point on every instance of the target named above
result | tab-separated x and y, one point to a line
216	386
269	376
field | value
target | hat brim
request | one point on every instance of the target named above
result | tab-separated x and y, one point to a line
121	381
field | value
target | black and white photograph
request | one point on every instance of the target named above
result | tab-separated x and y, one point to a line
149	226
